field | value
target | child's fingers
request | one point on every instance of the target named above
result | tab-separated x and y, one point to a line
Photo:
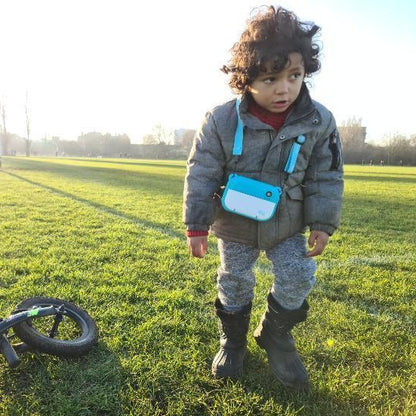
198	251
197	246
317	250
317	241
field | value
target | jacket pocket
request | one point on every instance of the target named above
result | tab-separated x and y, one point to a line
295	193
233	227
294	207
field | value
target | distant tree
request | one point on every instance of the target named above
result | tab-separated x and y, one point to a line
118	144
95	144
27	140
401	149
159	133
45	147
91	143
162	135
187	139
123	143
16	143
70	147
1	142
4	134
149	139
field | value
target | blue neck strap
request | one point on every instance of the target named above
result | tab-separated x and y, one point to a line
239	135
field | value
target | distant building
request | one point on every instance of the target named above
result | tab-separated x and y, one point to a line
178	135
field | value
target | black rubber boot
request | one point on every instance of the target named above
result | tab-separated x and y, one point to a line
233	342
273	335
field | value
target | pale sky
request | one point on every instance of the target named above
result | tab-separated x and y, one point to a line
122	66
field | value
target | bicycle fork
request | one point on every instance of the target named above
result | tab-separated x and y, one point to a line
7	349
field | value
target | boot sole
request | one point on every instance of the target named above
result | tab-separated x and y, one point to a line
223	374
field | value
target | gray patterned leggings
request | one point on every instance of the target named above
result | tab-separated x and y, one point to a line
293	273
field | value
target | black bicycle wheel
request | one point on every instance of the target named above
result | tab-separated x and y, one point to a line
76	334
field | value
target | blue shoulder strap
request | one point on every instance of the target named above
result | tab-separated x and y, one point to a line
238	137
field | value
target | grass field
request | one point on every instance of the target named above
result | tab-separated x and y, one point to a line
107	234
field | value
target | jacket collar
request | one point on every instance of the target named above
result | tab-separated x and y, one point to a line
303	108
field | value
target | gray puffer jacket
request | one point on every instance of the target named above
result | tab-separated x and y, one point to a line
312	194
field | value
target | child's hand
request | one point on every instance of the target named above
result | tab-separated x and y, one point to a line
197	245
317	242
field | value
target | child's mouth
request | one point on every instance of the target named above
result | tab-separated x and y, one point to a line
279	104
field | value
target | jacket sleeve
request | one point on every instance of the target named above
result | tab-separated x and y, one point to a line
204	176
324	182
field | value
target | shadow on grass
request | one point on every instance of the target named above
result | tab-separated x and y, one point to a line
379	178
383	214
132	163
48	385
155	182
337	291
262	394
319	401
108	210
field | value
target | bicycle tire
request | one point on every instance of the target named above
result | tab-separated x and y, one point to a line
79	340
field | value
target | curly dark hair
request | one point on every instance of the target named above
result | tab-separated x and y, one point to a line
269	38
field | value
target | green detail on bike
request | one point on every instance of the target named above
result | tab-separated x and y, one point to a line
32	312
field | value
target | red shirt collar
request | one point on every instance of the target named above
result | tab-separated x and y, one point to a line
276	120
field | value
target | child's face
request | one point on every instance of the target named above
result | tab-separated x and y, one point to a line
276	91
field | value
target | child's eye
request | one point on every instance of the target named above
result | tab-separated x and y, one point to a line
295	76
268	80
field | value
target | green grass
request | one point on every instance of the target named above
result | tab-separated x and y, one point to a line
107	234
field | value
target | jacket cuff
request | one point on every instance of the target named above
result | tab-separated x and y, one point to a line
329	229
196	233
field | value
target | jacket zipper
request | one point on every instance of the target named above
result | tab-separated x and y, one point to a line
284	154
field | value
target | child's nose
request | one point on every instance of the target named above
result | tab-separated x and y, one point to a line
281	87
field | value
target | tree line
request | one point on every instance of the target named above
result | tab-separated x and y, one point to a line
90	144
161	144
397	149
95	144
